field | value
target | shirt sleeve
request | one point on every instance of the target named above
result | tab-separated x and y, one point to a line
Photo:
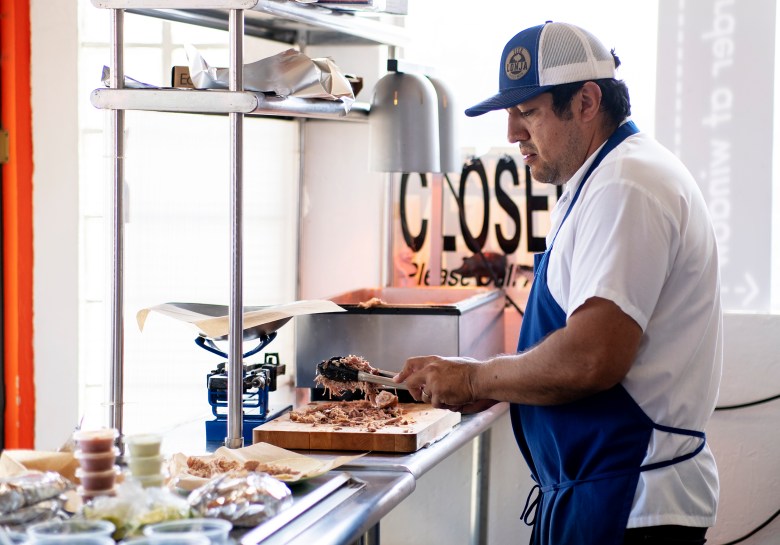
625	242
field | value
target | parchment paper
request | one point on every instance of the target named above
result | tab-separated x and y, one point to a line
219	326
305	467
18	461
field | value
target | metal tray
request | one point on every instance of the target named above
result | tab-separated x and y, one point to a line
312	502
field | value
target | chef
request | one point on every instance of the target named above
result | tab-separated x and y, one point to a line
620	352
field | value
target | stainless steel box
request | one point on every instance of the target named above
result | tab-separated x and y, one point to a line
408	322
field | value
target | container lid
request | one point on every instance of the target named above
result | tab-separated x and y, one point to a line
98	434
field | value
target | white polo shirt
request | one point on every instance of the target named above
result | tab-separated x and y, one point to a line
640	235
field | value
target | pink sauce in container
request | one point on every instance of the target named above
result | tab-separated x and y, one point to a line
101	440
87	495
96	461
97	481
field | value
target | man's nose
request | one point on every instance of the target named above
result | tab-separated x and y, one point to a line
516	131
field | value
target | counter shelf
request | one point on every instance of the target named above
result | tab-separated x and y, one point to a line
215	101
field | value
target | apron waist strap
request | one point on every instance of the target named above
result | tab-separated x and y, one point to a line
528	515
680	431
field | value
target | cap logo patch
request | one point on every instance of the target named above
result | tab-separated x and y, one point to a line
518	63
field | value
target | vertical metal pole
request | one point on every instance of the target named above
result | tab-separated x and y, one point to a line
116	394
235	438
299	208
302	41
435	244
480	489
386	259
371	537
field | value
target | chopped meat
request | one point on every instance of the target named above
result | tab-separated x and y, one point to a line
351	414
385	399
209	467
371	303
339	388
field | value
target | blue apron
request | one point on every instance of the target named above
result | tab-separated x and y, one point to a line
585	456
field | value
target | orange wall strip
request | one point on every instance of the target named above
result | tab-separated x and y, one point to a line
16	119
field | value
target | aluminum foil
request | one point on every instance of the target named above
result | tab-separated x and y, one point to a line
42	511
129	83
30	488
243	499
287	74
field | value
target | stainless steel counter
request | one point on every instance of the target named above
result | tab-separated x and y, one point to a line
375	484
343	516
389	478
418	463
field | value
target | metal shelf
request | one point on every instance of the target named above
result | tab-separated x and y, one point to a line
281	20
221	102
277	20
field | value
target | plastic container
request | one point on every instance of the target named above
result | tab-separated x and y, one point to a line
77	530
101	440
87	495
145	466
95	481
150	481
143	445
71	539
15	538
216	530
172	539
96	461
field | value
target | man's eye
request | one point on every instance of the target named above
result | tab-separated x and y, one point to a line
526	113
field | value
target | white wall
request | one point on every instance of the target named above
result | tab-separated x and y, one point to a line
342	200
746	441
54	74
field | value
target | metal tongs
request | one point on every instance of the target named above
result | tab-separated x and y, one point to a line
342	373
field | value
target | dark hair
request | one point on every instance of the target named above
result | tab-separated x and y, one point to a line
614	97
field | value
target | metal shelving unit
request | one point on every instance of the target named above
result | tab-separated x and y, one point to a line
280	20
220	102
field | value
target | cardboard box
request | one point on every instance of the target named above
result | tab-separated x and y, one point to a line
180	78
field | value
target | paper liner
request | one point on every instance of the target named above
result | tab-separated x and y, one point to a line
304	467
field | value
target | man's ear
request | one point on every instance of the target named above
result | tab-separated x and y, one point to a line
591	100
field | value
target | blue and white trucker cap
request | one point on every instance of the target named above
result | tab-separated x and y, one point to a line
541	57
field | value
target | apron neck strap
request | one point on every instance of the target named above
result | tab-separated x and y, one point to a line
621	133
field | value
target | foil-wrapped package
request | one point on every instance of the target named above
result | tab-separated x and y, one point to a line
30	488
243	499
289	73
39	512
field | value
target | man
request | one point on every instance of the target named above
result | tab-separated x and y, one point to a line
619	356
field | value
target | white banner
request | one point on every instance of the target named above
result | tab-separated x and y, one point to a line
715	111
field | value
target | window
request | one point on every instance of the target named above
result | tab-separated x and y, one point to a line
177	232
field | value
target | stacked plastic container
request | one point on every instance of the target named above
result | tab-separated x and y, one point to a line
144	459
71	532
96	454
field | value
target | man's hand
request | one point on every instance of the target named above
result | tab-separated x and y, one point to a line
446	383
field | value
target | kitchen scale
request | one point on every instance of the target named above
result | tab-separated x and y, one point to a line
258	379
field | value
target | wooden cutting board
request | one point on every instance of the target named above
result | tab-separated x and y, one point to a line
429	425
